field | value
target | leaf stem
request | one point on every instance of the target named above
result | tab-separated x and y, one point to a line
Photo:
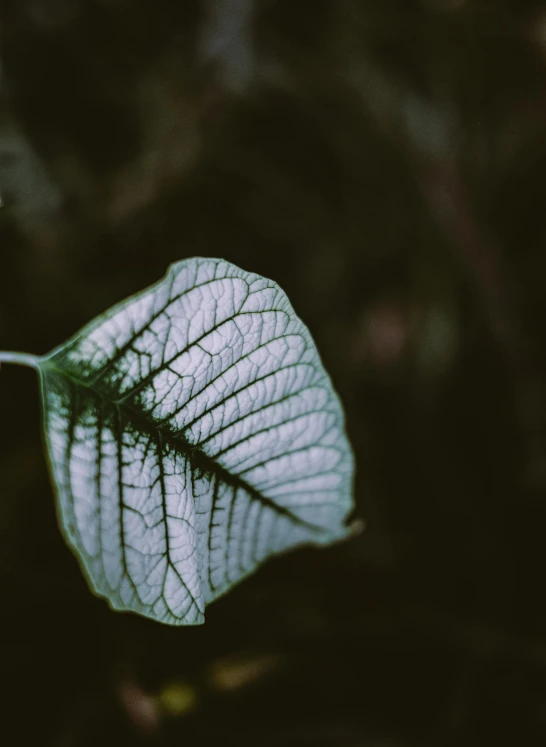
21	359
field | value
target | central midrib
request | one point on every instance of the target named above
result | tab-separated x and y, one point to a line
198	458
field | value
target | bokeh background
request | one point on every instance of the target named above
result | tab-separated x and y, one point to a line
384	162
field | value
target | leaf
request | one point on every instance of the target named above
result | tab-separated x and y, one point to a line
192	432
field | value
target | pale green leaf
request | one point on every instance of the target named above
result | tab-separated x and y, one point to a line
192	432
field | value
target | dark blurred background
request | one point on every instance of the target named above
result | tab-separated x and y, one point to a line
384	161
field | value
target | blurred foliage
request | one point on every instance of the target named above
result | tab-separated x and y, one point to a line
384	162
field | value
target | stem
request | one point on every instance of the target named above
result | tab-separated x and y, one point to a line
21	359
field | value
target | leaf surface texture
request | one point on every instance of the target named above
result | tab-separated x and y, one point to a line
193	432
